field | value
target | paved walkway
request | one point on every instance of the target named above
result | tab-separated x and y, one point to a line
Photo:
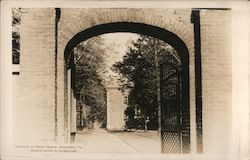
102	141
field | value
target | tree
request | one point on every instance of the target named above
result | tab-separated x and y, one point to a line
88	57
16	21
138	72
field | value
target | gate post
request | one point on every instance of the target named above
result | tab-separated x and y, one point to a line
195	19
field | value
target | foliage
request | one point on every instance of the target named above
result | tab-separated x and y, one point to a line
130	112
91	92
16	21
138	72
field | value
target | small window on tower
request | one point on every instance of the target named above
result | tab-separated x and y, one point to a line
125	100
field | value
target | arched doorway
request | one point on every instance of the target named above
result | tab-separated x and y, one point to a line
183	143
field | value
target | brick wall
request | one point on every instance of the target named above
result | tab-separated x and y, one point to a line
34	92
216	80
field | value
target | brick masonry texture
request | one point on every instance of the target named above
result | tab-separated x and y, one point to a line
34	89
34	106
216	80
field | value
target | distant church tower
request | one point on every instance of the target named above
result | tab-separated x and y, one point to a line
117	102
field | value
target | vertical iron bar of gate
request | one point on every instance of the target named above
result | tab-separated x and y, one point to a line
161	99
158	94
178	109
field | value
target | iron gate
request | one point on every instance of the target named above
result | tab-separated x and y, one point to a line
170	109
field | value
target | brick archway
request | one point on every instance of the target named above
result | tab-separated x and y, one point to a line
71	27
179	34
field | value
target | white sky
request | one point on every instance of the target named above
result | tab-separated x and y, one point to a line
117	45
